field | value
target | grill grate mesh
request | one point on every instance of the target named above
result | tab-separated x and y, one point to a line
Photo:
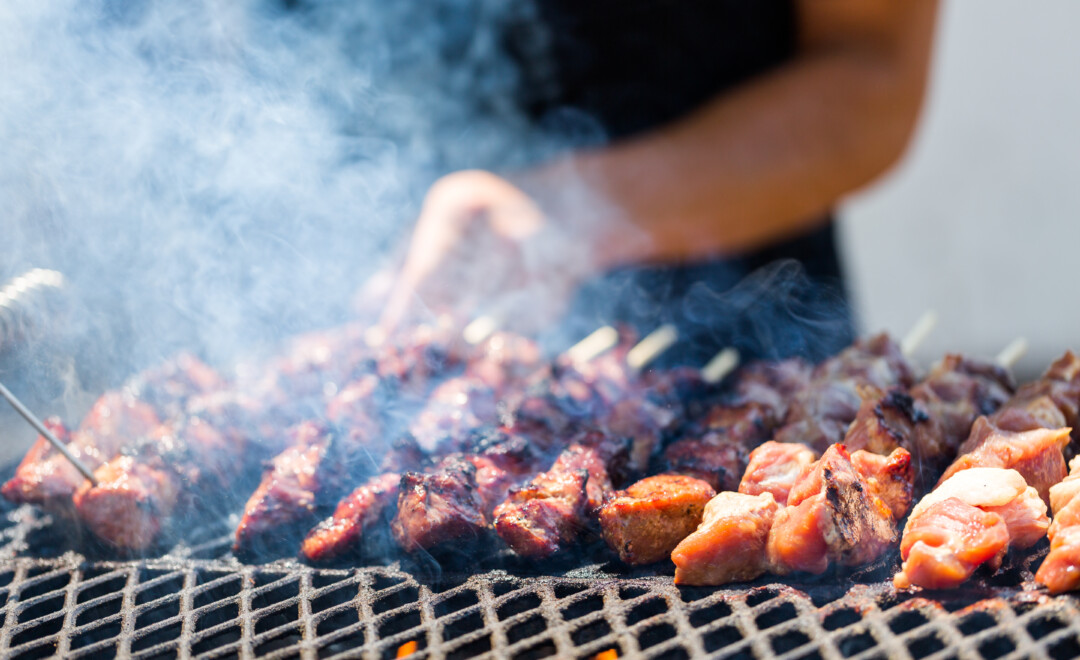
197	601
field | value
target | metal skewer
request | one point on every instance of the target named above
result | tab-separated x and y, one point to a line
36	423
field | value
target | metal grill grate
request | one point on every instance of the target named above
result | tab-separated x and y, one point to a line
196	600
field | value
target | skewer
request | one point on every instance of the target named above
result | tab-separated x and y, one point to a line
480	329
918	333
649	348
1011	354
600	340
36	423
721	364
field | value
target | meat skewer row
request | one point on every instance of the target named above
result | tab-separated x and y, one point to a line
857	497
993	496
455	499
158	473
447	424
644	523
312	473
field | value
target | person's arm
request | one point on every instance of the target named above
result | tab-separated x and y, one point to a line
760	163
769	159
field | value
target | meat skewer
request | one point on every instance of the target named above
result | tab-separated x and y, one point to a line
646	523
1018	452
476	462
46	478
842	508
792	531
314	470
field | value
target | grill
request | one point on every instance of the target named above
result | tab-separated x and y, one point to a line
197	600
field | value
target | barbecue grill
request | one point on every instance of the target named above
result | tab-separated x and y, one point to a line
196	599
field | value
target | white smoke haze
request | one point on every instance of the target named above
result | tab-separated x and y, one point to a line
214	174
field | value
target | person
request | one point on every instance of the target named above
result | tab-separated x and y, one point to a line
730	131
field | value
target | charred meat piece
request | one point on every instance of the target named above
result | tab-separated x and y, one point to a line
933	418
835	513
46	478
971	519
1060	571
433	507
296	482
365	507
645	522
820	413
539	518
774	468
456	499
139	490
356	512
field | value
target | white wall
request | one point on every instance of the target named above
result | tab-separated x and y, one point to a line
981	222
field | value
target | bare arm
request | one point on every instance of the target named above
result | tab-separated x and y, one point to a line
770	159
756	165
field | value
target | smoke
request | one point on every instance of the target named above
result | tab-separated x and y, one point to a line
217	173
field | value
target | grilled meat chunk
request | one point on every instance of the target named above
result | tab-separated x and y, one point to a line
365	508
729	545
294	485
139	490
1035	454
457	498
717	450
645	522
834	513
933	418
774	467
820	413
355	513
46	478
539	518
971	519
839	509
1060	571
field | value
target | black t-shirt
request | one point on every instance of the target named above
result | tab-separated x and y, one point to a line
633	65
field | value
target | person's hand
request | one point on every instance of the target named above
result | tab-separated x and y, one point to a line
481	245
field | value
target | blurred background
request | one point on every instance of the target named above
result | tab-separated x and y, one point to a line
979	223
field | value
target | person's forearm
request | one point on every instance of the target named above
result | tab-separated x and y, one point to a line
758	165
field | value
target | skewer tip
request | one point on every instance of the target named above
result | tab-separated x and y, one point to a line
479	329
919	332
1011	354
721	364
652	346
599	341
